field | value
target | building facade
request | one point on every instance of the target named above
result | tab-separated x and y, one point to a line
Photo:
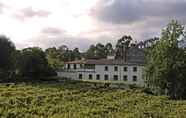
129	71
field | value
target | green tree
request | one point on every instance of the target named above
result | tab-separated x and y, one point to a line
122	47
63	53
90	53
53	57
77	54
96	51
68	55
166	63
100	51
108	49
7	51
33	63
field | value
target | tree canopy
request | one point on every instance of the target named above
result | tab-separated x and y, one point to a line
7	51
122	47
54	57
33	62
166	63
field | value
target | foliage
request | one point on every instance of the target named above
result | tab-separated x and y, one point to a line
68	55
122	46
109	49
166	64
57	56
148	43
54	58
32	62
90	53
7	51
77	54
80	100
99	51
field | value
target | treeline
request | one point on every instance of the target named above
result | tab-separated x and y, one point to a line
29	62
33	62
57	56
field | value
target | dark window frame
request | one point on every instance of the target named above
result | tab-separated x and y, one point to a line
80	76
81	65
125	69
115	68
89	66
90	77
135	69
75	66
115	77
106	77
106	68
98	77
125	77
134	78
68	66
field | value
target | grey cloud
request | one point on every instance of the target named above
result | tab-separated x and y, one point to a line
138	18
53	31
29	12
47	38
131	11
53	36
49	41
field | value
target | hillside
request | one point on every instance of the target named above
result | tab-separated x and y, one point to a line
78	100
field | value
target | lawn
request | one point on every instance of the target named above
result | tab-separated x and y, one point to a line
81	100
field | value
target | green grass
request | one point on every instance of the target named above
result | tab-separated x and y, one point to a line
80	100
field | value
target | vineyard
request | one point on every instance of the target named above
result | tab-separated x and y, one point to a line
81	100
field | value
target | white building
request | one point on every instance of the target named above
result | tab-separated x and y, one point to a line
129	71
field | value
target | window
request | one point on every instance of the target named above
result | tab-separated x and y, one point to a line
125	69
89	66
106	77
134	78
125	77
115	68
115	77
106	68
90	76
68	66
75	67
134	69
81	65
98	77
80	76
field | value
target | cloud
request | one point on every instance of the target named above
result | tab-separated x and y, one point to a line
48	23
2	6
45	41
132	11
29	12
53	31
142	19
53	36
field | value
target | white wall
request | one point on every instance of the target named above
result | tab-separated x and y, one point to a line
100	69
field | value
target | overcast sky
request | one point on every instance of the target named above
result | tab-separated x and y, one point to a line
79	23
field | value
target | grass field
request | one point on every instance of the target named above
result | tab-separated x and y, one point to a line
80	100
